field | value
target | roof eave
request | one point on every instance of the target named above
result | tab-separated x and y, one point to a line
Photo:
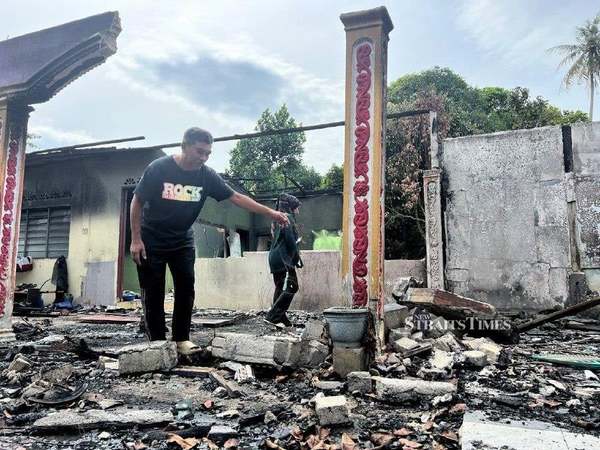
66	68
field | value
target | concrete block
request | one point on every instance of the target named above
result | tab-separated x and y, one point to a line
448	343
72	419
405	345
359	382
248	348
286	352
300	353
106	363
442	360
313	354
332	410
393	390
329	386
147	357
346	360
487	346
394	315
19	364
220	433
314	329
401	285
399	333
475	358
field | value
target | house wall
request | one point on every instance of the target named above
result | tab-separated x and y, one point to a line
92	187
319	212
585	139
246	283
522	213
507	238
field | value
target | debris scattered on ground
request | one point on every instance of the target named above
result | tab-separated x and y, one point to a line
282	396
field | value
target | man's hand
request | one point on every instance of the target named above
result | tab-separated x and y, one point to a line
280	218
138	251
243	201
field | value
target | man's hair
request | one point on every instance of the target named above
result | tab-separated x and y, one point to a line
194	135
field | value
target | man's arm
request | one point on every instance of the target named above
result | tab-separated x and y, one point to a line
137	249
243	201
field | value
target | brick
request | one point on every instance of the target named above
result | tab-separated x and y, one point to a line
332	410
346	360
147	357
359	382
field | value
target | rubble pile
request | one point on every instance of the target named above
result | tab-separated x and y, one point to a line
79	384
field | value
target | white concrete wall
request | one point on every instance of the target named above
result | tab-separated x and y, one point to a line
586	169
246	283
507	236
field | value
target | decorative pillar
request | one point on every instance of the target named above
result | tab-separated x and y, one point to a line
13	134
364	158
433	228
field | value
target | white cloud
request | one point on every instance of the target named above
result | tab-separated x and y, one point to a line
61	136
516	32
193	33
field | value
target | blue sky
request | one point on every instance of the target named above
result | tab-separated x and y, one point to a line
219	63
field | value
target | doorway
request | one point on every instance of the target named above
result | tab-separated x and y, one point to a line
127	279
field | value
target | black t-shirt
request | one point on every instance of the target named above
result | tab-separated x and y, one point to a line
172	199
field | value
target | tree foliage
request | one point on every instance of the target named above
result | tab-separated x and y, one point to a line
270	163
334	178
583	58
462	110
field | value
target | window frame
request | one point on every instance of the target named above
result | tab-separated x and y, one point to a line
24	226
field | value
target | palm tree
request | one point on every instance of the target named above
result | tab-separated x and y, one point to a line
583	57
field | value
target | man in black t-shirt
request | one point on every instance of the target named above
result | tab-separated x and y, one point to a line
166	202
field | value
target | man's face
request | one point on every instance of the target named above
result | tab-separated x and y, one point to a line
197	153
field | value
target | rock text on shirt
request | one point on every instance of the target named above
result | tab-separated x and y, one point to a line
181	193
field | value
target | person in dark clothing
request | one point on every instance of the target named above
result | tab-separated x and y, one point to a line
166	202
284	259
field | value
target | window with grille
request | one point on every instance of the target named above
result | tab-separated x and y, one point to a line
44	232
